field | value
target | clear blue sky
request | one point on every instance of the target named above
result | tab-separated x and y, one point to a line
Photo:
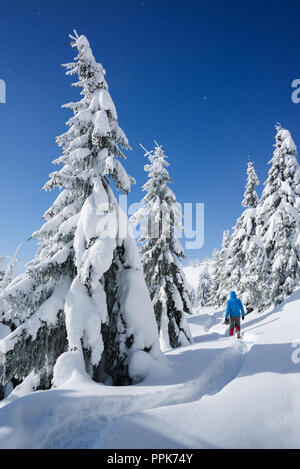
207	79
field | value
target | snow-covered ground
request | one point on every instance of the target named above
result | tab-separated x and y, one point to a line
217	393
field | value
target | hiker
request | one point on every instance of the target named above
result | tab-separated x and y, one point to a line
233	310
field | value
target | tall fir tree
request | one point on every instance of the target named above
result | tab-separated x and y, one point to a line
251	285
219	292
278	218
214	275
192	296
203	292
251	198
83	299
161	253
2	270
6	275
2	335
245	258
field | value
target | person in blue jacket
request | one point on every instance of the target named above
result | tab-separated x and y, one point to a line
234	310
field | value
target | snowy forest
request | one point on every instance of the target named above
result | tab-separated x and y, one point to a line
103	314
260	258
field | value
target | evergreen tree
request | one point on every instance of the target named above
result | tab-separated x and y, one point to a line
233	270
192	296
220	288
203	292
243	269
162	251
250	196
214	275
2	270
251	284
278	218
6	274
2	274
83	299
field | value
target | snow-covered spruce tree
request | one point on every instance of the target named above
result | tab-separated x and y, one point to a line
192	295
253	281
250	196
2	270
161	253
239	273
278	218
82	302
6	275
214	275
218	290
203	292
232	270
2	274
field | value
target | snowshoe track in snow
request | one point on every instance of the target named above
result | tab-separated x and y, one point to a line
82	431
68	419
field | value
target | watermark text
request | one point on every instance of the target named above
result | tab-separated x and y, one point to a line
296	92
2	91
295	357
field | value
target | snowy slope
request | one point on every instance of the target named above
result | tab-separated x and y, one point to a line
256	406
193	271
216	393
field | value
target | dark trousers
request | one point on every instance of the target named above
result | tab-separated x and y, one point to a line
235	322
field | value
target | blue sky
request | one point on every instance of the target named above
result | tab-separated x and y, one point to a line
207	79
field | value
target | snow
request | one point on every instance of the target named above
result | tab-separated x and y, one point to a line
137	308
84	316
46	313
164	321
4	331
101	124
140	365
192	273
106	102
67	364
217	393
113	166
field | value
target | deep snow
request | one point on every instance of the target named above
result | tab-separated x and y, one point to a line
217	393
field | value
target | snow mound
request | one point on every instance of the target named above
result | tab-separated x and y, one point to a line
65	366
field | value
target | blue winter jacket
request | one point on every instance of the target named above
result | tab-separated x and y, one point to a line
234	306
